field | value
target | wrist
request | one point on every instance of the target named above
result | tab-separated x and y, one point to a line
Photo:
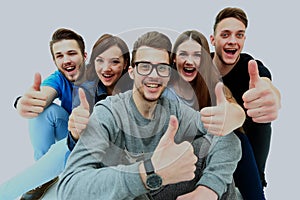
16	101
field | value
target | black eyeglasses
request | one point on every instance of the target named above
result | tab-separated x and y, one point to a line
146	68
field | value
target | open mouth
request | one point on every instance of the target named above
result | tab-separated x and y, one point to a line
230	51
70	69
107	75
189	69
152	85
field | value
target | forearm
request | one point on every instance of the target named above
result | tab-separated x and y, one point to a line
221	162
104	183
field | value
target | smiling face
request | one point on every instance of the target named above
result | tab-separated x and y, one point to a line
229	39
68	59
109	66
187	59
149	87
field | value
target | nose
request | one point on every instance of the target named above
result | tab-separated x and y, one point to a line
66	59
105	66
232	39
153	72
189	59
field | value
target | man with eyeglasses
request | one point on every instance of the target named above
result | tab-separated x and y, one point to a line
141	145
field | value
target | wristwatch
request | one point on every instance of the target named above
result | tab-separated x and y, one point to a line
153	180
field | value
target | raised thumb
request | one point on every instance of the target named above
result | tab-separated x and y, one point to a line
37	82
253	73
169	135
83	101
219	91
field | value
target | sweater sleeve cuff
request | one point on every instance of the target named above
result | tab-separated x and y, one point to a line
214	183
133	180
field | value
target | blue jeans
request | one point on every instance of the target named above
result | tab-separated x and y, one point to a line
246	175
47	128
48	136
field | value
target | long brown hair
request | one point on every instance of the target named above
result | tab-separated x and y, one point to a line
102	44
208	75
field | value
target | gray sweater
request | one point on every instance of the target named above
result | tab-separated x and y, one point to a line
104	163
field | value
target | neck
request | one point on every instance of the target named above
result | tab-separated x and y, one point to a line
146	108
223	67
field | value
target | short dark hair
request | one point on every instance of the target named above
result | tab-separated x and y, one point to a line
237	13
66	34
152	39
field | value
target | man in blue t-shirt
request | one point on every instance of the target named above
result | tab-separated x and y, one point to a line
48	121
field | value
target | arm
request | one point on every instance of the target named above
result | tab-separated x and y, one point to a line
88	175
225	117
221	162
263	99
36	99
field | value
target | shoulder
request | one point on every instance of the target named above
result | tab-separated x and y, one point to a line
263	70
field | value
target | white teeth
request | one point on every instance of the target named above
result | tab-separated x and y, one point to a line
107	75
189	68
152	85
70	68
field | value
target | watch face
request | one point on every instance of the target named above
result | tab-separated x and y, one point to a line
154	181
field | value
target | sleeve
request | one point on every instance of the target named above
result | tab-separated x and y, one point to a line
54	81
263	70
221	162
70	141
88	176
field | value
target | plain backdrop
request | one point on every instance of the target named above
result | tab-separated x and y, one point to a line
272	37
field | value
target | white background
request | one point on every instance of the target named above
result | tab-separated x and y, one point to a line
272	36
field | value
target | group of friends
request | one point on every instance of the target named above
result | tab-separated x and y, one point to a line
168	121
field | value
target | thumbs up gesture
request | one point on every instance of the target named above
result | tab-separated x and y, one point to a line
174	162
79	117
33	102
262	100
223	118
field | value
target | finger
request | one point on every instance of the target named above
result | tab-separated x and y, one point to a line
253	73
37	82
220	93
83	101
169	135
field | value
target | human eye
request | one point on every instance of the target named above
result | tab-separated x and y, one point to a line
58	56
72	53
182	54
240	35
197	55
99	60
115	61
224	35
162	68
144	66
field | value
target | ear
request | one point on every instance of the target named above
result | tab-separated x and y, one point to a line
212	40
85	55
131	72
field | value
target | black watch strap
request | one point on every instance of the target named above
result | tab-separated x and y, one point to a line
148	166
16	101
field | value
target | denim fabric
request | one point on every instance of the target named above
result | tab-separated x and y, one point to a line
47	128
45	169
246	175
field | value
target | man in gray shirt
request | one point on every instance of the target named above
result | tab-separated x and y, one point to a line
141	145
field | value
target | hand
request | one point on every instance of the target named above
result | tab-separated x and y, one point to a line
223	118
201	192
262	100
79	117
33	102
174	162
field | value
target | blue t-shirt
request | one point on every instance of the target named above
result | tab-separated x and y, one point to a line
63	88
